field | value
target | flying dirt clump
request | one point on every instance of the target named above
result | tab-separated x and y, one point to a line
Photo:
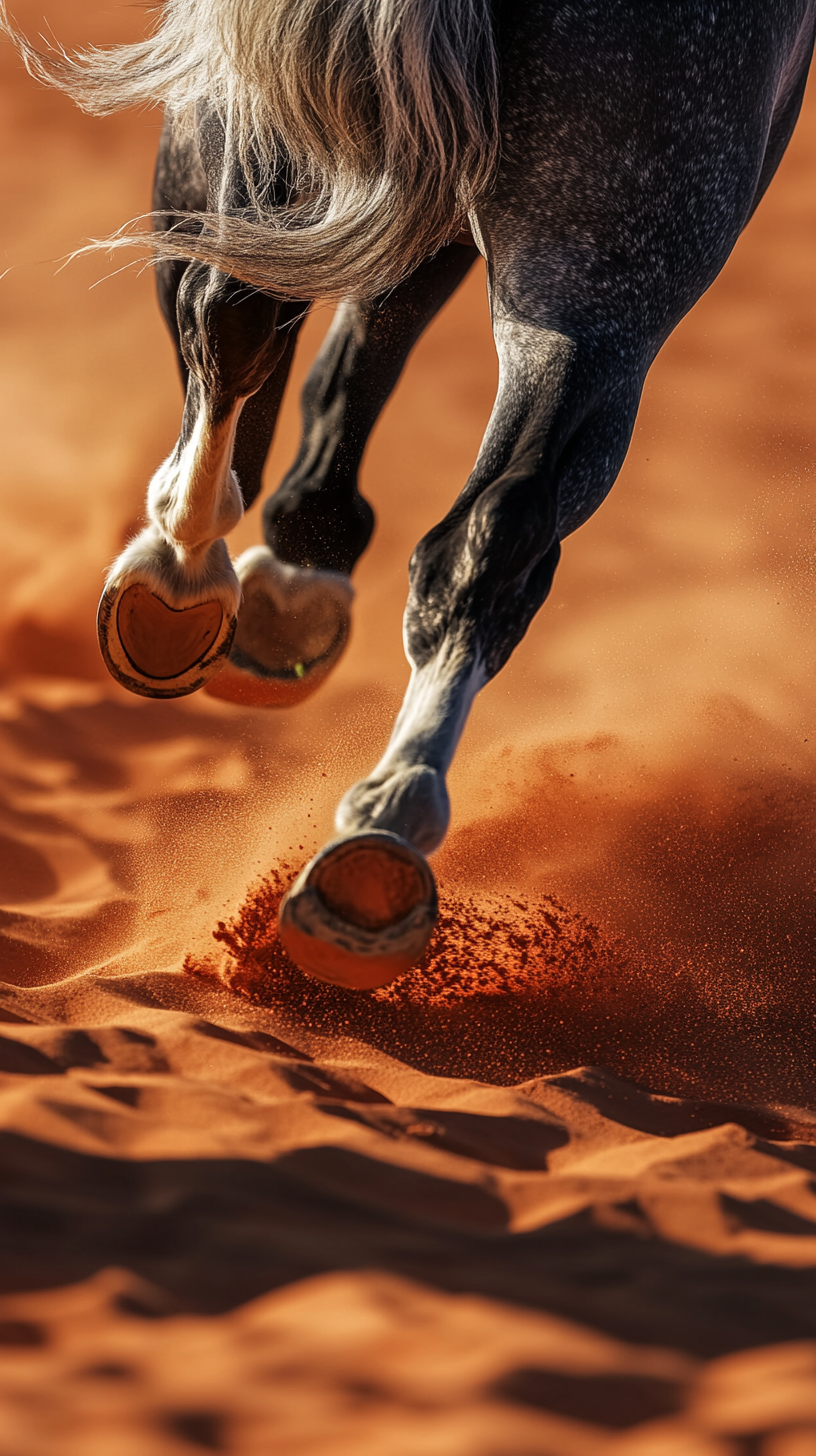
509	987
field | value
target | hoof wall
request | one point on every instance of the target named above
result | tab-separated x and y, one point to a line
293	628
159	651
361	912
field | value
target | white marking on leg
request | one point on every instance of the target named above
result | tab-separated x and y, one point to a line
193	500
406	792
194	497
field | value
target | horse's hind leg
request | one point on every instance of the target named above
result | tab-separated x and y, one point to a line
179	186
317	517
169	608
168	613
295	618
364	908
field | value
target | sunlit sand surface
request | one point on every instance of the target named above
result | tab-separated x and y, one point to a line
550	1192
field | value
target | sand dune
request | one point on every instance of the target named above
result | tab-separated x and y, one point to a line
551	1193
310	1242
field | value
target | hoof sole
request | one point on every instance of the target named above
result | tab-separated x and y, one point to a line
361	912
159	651
293	628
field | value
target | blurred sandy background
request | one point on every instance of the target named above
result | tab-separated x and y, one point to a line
645	756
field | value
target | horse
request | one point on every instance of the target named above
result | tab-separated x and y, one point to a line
603	156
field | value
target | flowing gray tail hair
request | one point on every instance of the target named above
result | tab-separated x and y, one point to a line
380	114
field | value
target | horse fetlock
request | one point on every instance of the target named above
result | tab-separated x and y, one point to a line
317	522
410	801
190	527
193	499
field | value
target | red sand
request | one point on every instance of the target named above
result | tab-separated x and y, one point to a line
552	1191
512	987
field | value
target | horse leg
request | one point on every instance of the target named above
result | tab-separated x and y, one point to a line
294	618
179	186
605	224
317	517
168	612
364	908
294	622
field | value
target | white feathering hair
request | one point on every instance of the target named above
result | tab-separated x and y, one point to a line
381	114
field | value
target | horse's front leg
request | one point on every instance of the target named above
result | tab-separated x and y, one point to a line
168	612
364	909
296	615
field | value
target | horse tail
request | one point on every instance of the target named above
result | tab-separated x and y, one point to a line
366	130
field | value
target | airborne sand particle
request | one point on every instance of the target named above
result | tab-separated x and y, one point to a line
513	987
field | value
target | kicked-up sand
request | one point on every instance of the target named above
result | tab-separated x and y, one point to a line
550	1194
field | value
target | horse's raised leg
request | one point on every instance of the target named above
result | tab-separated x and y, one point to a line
295	619
182	184
168	612
364	909
317	517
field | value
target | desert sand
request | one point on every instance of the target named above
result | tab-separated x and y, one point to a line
551	1194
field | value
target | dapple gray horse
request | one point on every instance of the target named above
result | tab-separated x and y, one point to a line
602	155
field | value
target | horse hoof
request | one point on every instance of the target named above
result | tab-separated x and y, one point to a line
293	627
162	648
361	912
